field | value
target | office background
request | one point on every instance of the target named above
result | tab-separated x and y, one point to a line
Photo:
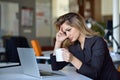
34	18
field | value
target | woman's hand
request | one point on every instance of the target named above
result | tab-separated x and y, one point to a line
67	56
60	36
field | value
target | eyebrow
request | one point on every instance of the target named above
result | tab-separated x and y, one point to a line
68	28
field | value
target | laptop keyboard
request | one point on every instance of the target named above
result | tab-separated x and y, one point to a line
47	73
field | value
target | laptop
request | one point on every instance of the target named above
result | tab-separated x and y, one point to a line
30	66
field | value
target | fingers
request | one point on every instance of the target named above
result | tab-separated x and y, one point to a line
66	55
60	36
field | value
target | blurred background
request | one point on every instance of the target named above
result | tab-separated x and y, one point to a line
34	19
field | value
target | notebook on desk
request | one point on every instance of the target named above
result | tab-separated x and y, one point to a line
30	66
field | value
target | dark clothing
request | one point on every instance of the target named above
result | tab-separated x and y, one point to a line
97	63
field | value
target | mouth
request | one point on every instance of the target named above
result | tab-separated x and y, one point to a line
71	39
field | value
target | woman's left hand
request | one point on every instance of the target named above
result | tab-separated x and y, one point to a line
67	56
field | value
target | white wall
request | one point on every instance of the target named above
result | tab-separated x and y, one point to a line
59	7
107	7
9	21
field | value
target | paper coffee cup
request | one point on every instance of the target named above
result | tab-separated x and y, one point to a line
59	57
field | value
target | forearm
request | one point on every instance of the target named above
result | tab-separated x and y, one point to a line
57	45
76	62
56	65
83	68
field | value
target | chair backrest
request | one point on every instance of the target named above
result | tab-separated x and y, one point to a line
11	45
37	48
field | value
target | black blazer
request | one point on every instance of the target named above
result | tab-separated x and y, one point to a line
97	63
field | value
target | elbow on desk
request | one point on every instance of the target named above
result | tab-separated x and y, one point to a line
55	67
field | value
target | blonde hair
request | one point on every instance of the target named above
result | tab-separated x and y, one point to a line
77	21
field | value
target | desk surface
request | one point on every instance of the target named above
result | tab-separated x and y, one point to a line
46	55
10	64
2	50
16	73
115	57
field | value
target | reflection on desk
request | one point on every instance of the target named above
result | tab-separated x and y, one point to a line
16	73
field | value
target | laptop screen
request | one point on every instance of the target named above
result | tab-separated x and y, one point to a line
28	61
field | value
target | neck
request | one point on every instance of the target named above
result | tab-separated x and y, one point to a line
81	39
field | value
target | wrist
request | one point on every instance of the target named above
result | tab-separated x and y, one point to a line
57	45
77	63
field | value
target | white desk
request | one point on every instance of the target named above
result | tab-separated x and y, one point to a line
115	57
46	55
9	64
2	49
16	73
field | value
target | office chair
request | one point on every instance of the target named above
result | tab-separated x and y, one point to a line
11	45
37	48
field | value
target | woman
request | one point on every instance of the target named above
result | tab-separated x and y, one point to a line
83	48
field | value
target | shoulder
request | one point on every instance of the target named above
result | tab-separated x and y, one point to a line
99	42
95	41
96	38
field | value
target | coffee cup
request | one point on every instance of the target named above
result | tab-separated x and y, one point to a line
59	57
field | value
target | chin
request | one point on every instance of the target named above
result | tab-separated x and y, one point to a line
72	40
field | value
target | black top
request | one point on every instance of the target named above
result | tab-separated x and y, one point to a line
97	63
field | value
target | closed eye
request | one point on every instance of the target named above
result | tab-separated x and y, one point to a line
68	29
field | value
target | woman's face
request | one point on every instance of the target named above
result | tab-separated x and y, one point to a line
71	32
